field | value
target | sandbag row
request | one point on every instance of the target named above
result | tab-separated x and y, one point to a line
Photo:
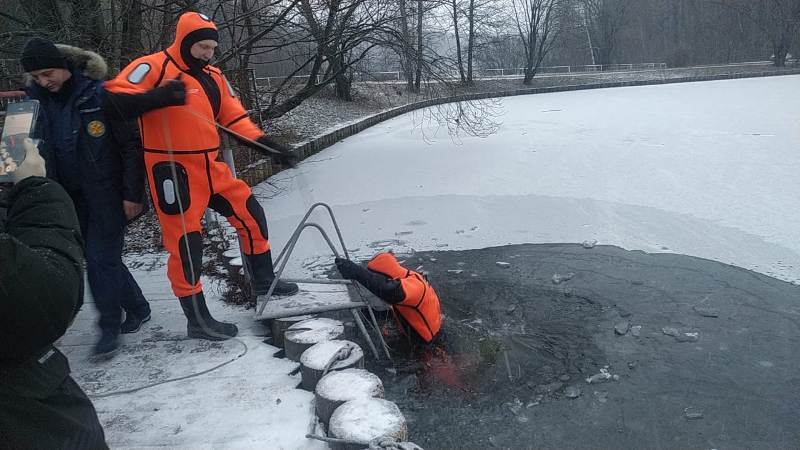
348	399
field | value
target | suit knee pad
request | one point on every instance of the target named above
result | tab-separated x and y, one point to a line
255	210
191	253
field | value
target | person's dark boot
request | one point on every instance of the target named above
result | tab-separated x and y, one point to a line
263	274
133	323
200	324
108	343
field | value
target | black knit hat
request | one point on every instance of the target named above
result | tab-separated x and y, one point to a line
41	54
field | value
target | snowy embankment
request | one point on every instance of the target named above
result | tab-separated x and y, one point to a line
704	169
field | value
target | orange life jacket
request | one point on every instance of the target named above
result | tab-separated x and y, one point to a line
420	308
190	127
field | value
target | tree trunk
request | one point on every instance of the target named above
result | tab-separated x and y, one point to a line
459	61
167	21
407	47
780	51
292	102
87	23
131	42
418	59
342	81
530	57
114	39
44	15
471	41
247	92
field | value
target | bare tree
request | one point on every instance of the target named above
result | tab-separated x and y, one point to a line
538	24
331	39
455	8
406	43
779	20
44	16
604	20
480	16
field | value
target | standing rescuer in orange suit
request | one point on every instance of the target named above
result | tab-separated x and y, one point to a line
180	99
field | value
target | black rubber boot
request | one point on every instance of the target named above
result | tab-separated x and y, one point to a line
133	323
200	324
108	343
262	274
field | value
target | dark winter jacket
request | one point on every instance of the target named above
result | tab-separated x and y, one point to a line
84	149
41	280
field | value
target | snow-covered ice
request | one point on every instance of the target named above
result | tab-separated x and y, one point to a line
705	169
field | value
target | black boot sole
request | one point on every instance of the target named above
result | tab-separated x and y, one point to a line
138	327
199	333
279	293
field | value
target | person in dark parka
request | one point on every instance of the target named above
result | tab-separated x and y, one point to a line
41	290
100	164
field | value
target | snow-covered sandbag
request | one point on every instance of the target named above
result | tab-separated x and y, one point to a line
365	419
279	326
302	335
335	355
340	386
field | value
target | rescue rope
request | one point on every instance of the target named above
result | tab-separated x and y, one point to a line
171	380
173	168
341	355
380	443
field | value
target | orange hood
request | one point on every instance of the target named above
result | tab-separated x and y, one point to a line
192	27
386	264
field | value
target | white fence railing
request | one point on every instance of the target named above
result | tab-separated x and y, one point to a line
394	76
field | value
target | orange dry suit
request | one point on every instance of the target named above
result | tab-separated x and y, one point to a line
409	292
181	144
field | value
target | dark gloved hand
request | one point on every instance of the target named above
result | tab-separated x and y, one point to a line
284	154
347	268
173	93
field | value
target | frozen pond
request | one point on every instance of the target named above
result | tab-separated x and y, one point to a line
688	305
704	169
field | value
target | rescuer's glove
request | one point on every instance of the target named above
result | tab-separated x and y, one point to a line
282	153
347	268
173	93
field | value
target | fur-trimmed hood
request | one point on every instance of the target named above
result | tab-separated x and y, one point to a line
90	63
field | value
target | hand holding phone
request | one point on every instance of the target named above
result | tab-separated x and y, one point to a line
14	146
32	165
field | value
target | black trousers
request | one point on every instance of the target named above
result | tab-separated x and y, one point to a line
41	407
113	287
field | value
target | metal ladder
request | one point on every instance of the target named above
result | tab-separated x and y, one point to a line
307	303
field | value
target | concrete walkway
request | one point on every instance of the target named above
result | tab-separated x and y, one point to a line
249	402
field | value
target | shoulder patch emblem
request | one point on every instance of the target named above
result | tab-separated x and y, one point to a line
137	75
96	128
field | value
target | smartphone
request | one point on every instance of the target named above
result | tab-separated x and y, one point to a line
19	125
